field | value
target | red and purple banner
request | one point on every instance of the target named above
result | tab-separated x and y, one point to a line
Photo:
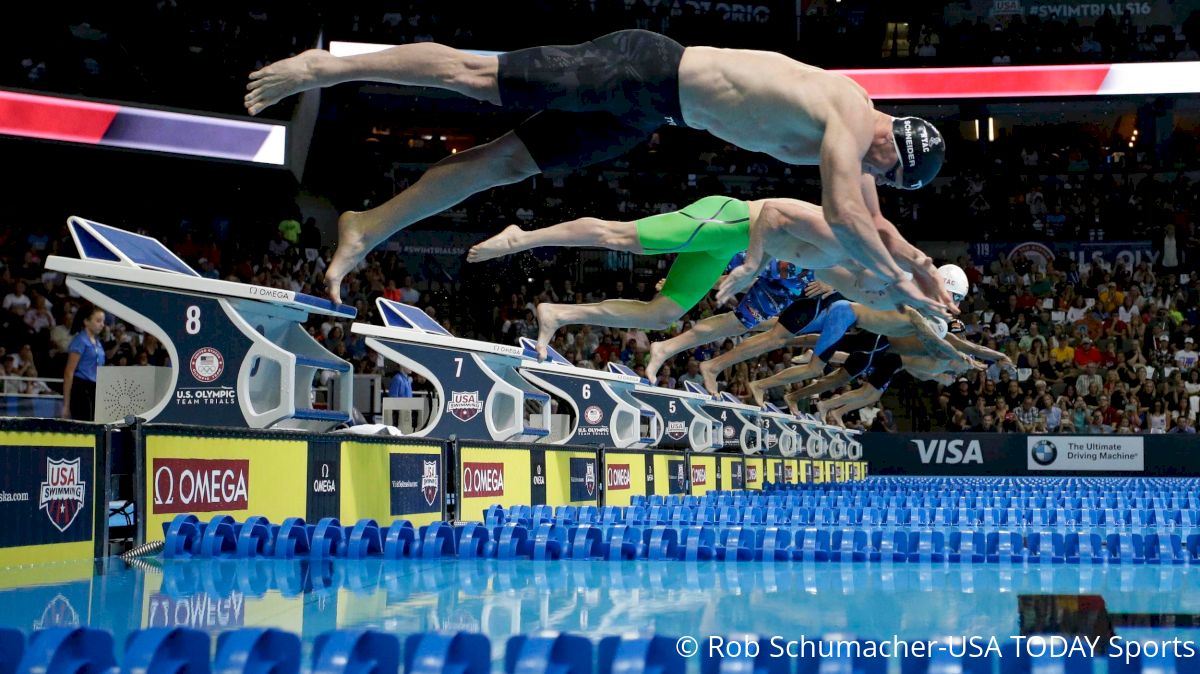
127	126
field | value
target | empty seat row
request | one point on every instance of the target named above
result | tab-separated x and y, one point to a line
256	650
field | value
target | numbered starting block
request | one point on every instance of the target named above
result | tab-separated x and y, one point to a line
740	429
682	421
780	435
603	409
480	395
239	354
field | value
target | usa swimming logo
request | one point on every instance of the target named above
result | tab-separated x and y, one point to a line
429	481
465	405
62	493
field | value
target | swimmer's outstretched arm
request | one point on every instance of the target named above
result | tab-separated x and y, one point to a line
850	203
936	346
862	286
906	255
762	229
847	137
978	350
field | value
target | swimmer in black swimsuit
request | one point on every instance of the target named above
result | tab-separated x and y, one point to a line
596	100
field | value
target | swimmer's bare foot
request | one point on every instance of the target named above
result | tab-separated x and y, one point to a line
352	247
803	359
547	315
658	355
504	243
757	390
710	378
823	409
792	398
283	78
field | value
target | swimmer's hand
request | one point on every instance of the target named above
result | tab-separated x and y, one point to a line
659	286
818	289
930	283
735	282
906	293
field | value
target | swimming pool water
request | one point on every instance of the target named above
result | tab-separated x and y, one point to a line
505	598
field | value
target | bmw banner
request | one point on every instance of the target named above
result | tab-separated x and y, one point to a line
1085	453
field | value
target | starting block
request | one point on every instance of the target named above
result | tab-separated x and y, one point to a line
740	429
239	354
779	433
480	396
682	422
816	443
604	409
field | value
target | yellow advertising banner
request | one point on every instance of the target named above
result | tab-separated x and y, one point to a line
625	475
388	482
733	472
704	474
236	476
490	477
756	472
670	475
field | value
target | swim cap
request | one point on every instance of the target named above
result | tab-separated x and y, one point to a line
957	327
938	326
956	281
921	151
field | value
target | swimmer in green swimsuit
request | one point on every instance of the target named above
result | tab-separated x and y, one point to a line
705	236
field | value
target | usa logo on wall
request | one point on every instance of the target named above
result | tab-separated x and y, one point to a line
62	494
429	481
583	479
678	482
416	483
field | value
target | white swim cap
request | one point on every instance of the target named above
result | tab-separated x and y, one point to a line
956	281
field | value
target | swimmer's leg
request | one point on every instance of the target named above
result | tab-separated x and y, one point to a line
711	329
424	64
611	234
657	314
446	183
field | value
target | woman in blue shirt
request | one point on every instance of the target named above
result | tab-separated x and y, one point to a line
84	357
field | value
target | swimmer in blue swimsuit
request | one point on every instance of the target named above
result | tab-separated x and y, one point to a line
778	285
829	319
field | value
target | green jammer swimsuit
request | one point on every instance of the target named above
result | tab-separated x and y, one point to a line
706	235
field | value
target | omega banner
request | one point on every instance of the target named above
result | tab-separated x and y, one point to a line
511	474
189	470
1019	454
